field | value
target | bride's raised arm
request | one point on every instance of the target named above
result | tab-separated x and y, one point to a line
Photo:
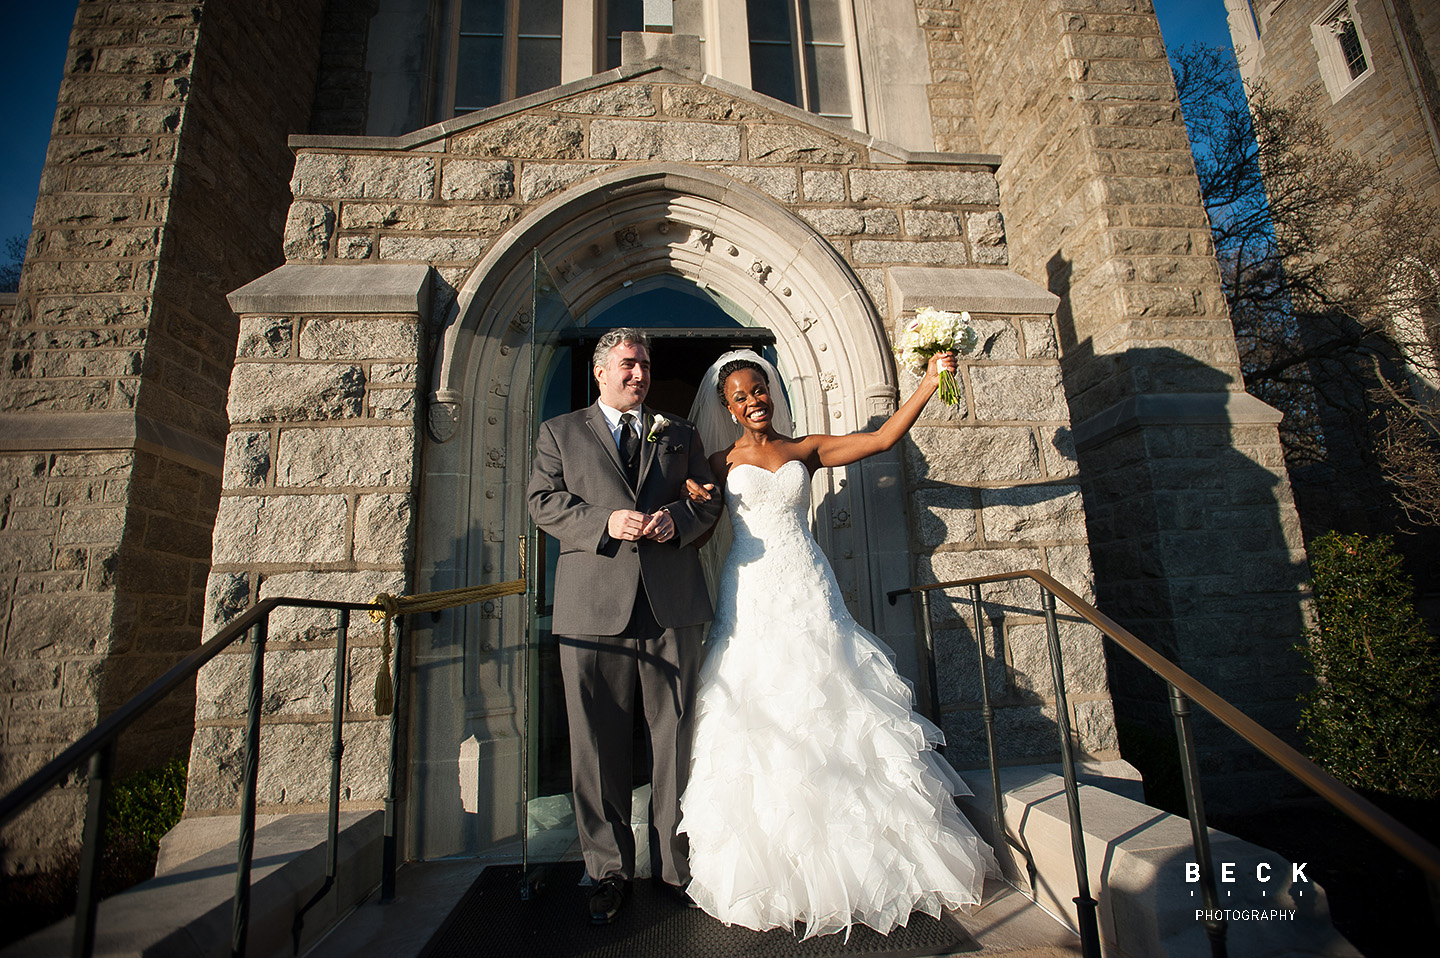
843	450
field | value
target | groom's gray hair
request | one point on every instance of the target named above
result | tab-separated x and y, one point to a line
627	335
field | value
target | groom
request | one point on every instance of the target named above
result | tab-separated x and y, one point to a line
630	604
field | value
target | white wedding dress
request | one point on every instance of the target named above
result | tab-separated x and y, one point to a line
814	795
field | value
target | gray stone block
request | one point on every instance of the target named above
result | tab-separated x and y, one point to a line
477	180
309	228
363	175
247	459
313	625
788	143
432	249
366	457
1040	342
973	454
698	103
409	216
823	186
538	180
287	392
944	515
382	529
936	252
848	222
779	182
264	337
1018	393
227	595
929	224
683	141
924	187
347	338
633	100
524	137
281	529
1033	514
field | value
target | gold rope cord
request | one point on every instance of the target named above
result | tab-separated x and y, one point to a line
392	606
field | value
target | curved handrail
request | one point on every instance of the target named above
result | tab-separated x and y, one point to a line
1385	827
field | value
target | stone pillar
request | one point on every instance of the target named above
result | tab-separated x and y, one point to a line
1192	525
994	488
318	502
164	188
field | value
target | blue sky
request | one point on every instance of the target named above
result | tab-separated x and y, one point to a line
31	71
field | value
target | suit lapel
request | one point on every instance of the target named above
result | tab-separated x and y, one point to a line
601	430
647	448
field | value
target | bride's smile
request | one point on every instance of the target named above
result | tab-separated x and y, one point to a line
749	397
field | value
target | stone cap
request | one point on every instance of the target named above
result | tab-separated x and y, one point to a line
978	290
675	50
362	288
1166	409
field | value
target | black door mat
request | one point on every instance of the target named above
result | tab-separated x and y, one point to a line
492	919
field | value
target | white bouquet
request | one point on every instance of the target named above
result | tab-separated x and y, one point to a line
937	331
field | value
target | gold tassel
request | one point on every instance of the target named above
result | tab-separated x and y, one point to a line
384	685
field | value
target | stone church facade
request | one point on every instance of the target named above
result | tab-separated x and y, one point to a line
285	326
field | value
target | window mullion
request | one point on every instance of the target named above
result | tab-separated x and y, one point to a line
511	68
802	75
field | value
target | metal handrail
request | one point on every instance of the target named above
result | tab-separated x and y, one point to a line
97	750
1184	690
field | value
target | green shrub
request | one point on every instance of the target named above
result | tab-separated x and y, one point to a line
1372	720
146	805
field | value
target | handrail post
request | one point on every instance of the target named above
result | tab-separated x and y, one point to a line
987	710
388	845
932	693
337	750
240	925
1199	831
92	851
1085	904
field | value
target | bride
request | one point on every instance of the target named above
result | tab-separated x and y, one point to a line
814	795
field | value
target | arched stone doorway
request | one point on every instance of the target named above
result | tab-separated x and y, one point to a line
604	241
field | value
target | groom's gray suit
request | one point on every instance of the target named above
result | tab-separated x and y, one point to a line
629	617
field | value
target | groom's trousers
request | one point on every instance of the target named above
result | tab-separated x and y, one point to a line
603	676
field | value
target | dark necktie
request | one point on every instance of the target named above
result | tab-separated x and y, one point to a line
629	447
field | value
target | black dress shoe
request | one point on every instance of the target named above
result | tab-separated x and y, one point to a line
607	900
678	894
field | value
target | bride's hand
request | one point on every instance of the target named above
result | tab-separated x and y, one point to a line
699	493
938	362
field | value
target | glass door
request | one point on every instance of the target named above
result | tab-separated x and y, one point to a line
549	826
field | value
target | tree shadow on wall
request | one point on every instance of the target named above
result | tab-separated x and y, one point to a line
1194	540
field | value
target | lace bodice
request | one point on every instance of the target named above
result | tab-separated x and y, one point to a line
768	503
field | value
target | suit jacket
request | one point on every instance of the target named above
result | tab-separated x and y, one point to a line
578	480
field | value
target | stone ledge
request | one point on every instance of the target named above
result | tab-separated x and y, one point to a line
973	289
1170	409
105	432
1136	856
187	912
368	288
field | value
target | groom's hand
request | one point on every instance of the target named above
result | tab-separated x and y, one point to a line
659	526
627	524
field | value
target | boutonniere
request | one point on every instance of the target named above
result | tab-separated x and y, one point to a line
657	427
